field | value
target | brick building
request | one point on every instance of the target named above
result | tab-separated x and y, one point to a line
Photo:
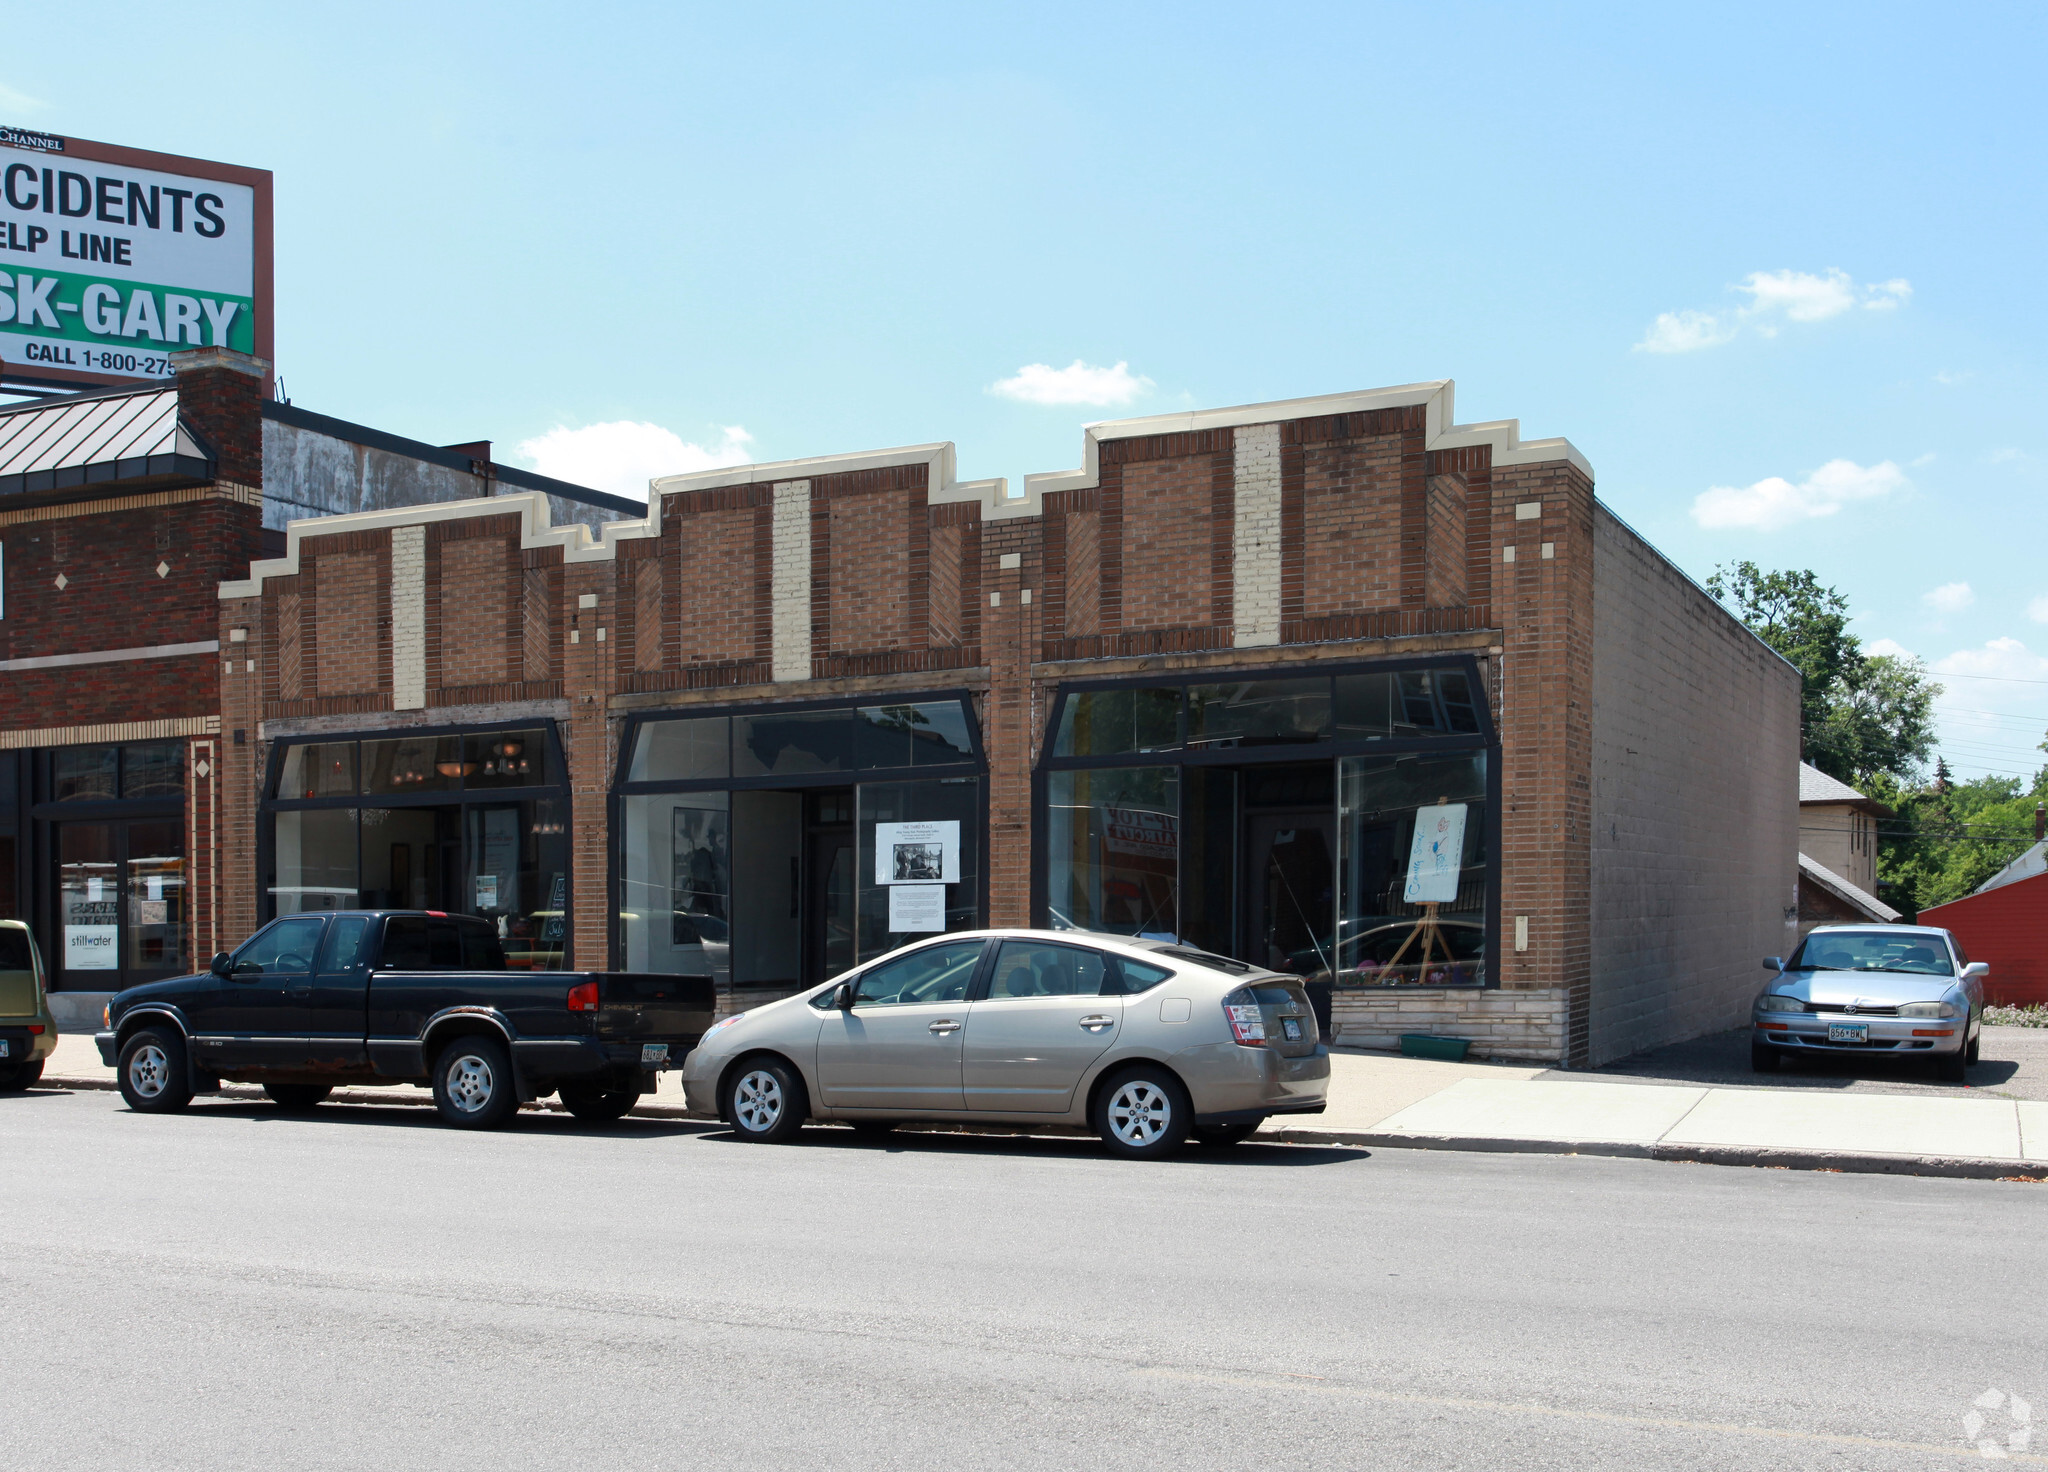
121	514
1334	685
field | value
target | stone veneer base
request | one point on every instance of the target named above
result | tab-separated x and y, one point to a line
1499	1023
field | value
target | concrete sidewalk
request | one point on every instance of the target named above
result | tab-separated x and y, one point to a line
1384	1100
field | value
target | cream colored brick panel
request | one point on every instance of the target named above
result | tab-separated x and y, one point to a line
1498	1024
790	570
409	617
1255	550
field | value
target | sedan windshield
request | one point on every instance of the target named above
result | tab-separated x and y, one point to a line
1871	950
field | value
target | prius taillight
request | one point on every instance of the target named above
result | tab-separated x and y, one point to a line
583	997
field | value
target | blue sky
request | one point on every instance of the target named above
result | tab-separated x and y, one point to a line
1776	270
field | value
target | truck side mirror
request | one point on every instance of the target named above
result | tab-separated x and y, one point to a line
222	965
842	996
1774	963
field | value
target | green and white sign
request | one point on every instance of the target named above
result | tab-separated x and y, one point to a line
107	267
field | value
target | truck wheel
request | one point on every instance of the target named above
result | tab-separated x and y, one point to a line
765	1102
1143	1113
598	1105
473	1085
155	1077
298	1098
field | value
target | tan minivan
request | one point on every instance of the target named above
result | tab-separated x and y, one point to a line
28	1033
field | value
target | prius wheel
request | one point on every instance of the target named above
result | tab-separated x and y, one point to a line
1143	1113
154	1077
600	1106
473	1086
298	1098
765	1102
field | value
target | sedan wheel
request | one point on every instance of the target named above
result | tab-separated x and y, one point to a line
765	1102
1143	1113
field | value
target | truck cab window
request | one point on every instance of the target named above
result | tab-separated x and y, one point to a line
405	943
282	948
345	948
444	945
481	950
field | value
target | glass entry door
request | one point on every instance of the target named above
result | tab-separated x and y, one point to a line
121	903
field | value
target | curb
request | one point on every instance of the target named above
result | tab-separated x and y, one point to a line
1768	1157
1846	1162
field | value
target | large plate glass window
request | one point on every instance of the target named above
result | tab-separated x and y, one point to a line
1332	825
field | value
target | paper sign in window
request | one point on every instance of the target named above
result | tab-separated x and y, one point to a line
1436	855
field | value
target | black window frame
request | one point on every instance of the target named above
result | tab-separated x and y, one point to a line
460	797
629	738
1486	739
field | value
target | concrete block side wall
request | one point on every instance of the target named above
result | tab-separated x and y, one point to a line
1695	803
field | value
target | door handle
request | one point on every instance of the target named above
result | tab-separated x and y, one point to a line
945	1025
1098	1021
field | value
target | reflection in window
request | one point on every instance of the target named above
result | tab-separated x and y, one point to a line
505	759
682	751
939	973
318	769
1413	854
86	773
1259	712
676	883
314	860
153	769
413	764
770	745
155	881
1113	722
1113	850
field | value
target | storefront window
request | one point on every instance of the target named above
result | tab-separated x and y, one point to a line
483	842
86	773
780	882
1113	850
1333	826
918	850
153	769
1413	867
120	902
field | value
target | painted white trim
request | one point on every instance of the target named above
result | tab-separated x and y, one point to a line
112	656
578	544
1439	432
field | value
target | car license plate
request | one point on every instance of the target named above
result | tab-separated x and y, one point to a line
654	1055
1848	1032
1292	1027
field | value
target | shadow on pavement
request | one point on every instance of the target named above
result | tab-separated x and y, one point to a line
1251	1153
2012	1064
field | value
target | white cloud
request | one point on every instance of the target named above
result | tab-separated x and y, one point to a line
15	101
1993	706
1888	646
1077	383
1776	502
1775	298
623	455
1949	598
2004	456
1919	460
1685	332
1949	380
2038	610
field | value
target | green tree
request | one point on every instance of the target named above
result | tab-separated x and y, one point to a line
1861	716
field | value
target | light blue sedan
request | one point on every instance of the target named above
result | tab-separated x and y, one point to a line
1894	991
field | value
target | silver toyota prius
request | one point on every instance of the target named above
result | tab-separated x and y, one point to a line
1148	1043
1892	991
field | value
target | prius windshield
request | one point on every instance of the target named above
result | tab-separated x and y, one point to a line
1873	950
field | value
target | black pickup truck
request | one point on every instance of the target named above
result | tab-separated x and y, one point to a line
312	1001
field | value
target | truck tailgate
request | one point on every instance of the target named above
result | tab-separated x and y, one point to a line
644	1004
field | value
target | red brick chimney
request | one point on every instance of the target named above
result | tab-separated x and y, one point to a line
220	397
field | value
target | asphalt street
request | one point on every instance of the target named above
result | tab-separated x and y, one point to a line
233	1288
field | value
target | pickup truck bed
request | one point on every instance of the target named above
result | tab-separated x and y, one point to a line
386	997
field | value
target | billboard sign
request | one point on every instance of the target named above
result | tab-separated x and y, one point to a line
111	259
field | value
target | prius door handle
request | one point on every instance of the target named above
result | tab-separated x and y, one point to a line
944	1025
1092	1022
